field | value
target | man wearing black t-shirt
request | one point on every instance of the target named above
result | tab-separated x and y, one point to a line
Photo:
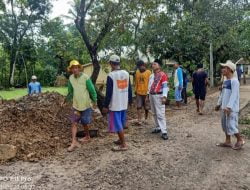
200	82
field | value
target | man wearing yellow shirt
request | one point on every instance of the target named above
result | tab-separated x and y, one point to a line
141	88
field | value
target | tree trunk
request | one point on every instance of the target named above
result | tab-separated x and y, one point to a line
137	26
12	68
25	70
96	66
92	48
211	66
2	77
94	76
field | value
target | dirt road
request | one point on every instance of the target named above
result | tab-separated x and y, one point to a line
188	160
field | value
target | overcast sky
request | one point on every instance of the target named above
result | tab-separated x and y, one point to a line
61	7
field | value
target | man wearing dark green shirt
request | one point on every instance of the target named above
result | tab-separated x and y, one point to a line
82	92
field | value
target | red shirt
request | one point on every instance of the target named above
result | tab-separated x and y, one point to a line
159	79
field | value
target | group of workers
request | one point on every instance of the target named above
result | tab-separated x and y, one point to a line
151	90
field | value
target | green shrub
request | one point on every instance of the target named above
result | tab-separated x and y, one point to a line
245	121
47	76
190	93
171	82
171	94
246	132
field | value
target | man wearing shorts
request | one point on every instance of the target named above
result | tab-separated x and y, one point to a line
178	84
118	95
229	104
200	82
82	91
141	88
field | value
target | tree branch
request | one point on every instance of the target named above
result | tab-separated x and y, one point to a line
88	6
107	26
136	31
103	33
80	23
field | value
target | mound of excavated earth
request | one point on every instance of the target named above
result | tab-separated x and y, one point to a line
39	127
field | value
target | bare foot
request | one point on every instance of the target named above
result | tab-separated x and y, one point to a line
177	108
138	123
73	146
84	140
120	148
225	144
238	145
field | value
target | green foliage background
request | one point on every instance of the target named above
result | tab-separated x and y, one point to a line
179	30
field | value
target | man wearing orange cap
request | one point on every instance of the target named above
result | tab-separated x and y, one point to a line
82	91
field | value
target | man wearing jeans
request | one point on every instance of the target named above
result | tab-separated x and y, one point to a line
158	91
178	84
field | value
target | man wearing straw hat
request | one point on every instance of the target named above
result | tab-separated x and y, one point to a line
229	103
81	90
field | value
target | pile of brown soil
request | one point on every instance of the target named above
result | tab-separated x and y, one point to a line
39	127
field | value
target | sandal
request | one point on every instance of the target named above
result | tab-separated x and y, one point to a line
118	142
84	140
119	148
225	145
177	108
72	147
125	127
238	145
138	122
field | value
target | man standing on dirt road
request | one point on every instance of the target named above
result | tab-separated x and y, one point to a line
200	82
184	89
141	89
118	95
82	91
229	103
158	92
34	87
178	84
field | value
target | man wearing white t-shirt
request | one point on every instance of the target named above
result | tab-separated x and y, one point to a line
118	95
